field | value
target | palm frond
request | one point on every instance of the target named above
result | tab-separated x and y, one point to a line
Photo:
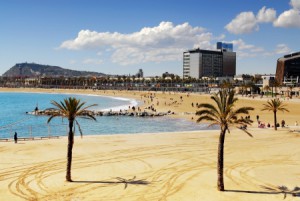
207	109
51	117
223	113
85	108
207	118
71	108
245	131
60	106
244	110
217	100
207	112
213	124
79	128
275	105
91	117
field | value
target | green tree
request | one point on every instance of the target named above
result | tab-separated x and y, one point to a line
71	108
275	105
225	115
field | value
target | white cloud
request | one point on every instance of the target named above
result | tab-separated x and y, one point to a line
241	45
282	49
245	50
164	42
245	22
290	18
295	4
266	15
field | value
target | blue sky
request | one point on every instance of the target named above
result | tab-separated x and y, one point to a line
122	36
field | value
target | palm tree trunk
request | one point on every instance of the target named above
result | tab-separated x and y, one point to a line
275	121
70	147
221	160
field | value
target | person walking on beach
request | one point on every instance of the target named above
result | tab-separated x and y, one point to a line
16	137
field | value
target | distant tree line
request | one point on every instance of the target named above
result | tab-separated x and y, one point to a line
167	82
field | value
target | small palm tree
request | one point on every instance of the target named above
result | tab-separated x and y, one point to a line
71	108
275	105
225	115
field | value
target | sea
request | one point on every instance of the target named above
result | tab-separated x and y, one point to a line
15	107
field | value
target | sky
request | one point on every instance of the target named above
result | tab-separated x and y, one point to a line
122	36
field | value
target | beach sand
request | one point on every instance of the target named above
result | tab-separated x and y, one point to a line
163	166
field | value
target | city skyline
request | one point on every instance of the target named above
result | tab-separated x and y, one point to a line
121	37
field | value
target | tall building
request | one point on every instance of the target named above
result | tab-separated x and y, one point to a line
228	47
199	63
288	67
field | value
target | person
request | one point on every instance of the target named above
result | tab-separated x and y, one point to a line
282	123
16	137
257	117
36	110
296	123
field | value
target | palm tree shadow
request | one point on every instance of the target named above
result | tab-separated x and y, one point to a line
251	192
119	180
272	191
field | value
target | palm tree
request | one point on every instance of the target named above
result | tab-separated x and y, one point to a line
275	105
225	115
71	108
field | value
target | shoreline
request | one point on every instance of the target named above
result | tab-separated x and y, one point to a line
31	130
136	103
181	103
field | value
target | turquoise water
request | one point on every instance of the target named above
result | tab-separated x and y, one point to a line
13	117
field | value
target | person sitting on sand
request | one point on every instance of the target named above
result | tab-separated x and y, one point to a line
261	125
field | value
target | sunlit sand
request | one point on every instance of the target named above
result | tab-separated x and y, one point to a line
162	166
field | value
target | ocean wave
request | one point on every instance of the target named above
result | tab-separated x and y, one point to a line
131	103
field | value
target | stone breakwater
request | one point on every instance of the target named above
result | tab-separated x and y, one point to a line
48	112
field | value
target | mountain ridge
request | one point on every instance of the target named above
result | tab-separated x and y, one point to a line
37	70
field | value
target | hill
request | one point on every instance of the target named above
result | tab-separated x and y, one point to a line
34	70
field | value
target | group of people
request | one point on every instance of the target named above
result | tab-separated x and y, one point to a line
262	125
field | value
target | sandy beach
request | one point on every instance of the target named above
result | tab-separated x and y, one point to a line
178	166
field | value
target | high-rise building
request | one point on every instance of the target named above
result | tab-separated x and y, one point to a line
228	47
199	63
288	67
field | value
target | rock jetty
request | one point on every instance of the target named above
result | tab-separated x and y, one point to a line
51	111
